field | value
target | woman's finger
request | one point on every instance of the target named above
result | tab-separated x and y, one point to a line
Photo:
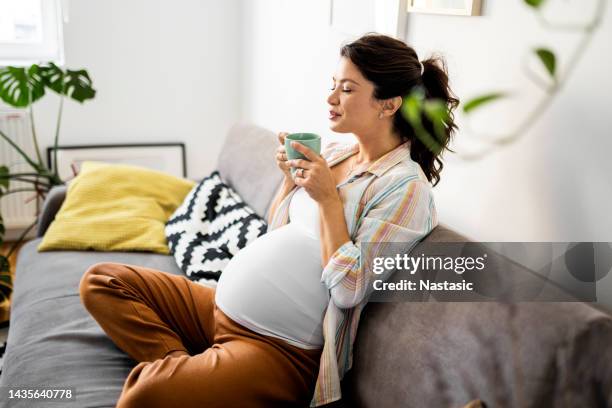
303	173
306	151
304	164
299	181
281	137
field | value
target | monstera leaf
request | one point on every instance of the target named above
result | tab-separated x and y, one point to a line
20	87
74	84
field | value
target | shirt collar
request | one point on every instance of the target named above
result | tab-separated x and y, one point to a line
380	166
390	159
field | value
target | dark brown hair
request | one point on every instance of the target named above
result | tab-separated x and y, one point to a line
394	69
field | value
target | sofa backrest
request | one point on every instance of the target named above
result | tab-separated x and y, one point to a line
247	164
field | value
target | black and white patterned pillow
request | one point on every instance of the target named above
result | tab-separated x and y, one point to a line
211	225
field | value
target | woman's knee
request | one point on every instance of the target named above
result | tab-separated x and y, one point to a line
148	384
95	277
136	393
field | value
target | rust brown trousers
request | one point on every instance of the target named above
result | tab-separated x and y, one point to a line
150	313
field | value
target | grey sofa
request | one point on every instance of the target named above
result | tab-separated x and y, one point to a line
425	354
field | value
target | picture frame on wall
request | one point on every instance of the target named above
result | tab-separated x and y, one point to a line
167	157
449	7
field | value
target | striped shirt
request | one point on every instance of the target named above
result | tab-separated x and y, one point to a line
390	201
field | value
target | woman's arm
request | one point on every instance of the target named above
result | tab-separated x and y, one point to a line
287	184
334	231
285	188
402	212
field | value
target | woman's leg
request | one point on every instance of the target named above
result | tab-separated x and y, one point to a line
149	313
241	369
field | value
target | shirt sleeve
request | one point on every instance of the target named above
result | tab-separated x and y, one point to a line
403	212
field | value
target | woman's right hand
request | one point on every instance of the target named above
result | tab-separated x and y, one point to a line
281	157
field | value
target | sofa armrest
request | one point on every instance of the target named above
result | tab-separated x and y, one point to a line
51	206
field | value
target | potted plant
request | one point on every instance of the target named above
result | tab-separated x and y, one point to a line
21	87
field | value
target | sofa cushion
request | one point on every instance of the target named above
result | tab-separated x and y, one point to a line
247	164
112	207
209	228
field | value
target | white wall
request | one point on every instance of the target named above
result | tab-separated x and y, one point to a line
289	58
164	70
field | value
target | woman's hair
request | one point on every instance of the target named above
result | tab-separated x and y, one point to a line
394	69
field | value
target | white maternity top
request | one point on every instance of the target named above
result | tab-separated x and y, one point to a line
273	287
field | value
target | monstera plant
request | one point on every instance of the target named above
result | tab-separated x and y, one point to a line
21	87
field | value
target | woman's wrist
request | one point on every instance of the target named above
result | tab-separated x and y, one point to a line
288	182
332	202
283	191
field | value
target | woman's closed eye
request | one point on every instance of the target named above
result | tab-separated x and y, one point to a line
345	90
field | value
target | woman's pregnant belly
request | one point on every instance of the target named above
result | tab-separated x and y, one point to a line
273	287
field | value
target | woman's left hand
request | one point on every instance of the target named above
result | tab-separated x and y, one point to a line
314	175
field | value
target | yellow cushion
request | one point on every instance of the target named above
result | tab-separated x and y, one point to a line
111	207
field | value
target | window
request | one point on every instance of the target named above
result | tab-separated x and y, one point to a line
31	32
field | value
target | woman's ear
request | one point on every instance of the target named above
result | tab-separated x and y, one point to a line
391	105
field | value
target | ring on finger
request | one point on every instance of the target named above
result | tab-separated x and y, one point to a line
301	172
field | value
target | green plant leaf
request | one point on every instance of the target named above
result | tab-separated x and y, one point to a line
53	77
4	178
477	102
76	85
437	112
534	3
20	88
79	86
548	59
412	109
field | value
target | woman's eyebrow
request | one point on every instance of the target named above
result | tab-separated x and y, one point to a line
346	80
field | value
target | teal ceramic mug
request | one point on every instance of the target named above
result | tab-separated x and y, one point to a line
310	140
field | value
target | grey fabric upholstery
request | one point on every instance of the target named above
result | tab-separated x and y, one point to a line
52	338
51	206
425	354
246	163
446	354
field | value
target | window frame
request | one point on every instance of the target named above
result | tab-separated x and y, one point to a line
50	50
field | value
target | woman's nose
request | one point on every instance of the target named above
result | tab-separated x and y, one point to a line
332	99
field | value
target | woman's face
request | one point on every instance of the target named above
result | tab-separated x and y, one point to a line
353	108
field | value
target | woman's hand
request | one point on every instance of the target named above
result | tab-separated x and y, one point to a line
314	175
281	158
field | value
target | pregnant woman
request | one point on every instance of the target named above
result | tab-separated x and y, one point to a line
279	328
